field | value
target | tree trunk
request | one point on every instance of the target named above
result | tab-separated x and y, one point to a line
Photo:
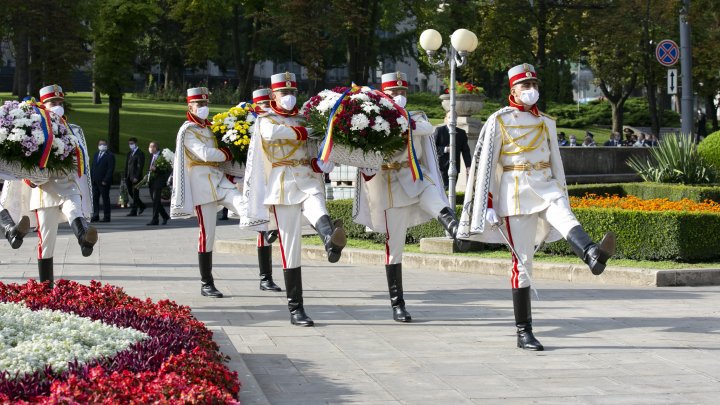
650	80
115	102
96	94
617	115
652	105
22	64
542	37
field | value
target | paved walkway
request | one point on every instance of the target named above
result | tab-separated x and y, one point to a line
609	345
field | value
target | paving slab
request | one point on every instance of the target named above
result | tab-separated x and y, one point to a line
606	344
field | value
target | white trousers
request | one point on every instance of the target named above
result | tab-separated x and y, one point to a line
207	217
520	231
47	220
396	223
262	239
288	219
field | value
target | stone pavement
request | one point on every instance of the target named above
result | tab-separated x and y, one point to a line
605	344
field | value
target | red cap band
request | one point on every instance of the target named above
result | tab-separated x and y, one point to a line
523	75
394	83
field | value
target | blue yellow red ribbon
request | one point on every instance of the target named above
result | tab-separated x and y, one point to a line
79	152
46	126
328	142
412	156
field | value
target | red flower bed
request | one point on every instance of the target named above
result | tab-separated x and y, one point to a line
178	364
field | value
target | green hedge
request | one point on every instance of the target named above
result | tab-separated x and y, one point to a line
646	191
642	235
709	149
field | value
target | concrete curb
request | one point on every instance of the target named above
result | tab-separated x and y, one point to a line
499	267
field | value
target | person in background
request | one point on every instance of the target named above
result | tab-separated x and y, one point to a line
442	145
134	166
615	140
652	140
702	126
562	141
573	141
101	171
640	141
589	141
157	180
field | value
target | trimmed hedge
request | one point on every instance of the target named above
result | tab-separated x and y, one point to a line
647	191
646	235
642	235
709	149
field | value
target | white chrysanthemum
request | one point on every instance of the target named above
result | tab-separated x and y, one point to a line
229	121
358	122
3	134
168	155
370	107
360	96
39	136
381	125
58	146
230	136
328	94
16	113
327	104
403	123
385	103
16	135
250	118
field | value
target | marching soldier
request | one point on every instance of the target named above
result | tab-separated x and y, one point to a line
395	198
14	233
516	194
199	186
283	184
64	196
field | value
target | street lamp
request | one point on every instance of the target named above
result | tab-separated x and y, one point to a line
462	43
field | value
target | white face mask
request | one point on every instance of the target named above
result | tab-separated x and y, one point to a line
400	100
58	110
203	112
529	97
102	148
132	146
287	102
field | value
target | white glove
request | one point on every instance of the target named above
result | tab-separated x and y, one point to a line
326	167
447	149
491	216
368	171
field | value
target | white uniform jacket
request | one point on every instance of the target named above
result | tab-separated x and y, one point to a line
517	162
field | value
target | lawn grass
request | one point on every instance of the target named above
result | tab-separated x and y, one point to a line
539	257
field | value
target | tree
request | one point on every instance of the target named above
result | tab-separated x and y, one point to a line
705	22
115	31
614	52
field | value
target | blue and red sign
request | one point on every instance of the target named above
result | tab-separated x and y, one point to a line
667	52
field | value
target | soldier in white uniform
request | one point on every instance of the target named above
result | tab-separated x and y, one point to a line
517	184
261	97
64	196
394	199
200	188
284	183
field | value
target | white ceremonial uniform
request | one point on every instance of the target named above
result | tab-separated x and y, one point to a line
527	187
209	186
293	188
61	196
400	200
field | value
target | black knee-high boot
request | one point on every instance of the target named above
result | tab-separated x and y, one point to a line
86	235
395	287
265	264
595	255
293	288
450	223
14	233
333	236
523	320
45	269
208	283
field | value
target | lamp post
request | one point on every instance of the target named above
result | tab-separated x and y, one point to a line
462	42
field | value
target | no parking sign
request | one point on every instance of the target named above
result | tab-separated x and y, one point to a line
667	52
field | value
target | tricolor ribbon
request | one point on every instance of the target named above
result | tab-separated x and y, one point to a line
412	156
79	152
328	142
46	126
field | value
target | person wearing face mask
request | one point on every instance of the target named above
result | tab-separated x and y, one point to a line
102	168
200	187
65	196
517	188
134	166
393	199
283	184
157	179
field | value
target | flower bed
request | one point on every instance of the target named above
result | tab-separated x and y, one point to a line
636	204
178	362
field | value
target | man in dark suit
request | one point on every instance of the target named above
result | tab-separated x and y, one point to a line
156	182
101	172
134	165
442	144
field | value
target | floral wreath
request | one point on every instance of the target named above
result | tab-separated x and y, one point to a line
178	362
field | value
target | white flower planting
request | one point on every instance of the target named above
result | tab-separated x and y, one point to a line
358	122
31	340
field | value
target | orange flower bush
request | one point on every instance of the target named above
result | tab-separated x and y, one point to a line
633	203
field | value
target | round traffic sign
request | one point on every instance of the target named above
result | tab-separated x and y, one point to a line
667	52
